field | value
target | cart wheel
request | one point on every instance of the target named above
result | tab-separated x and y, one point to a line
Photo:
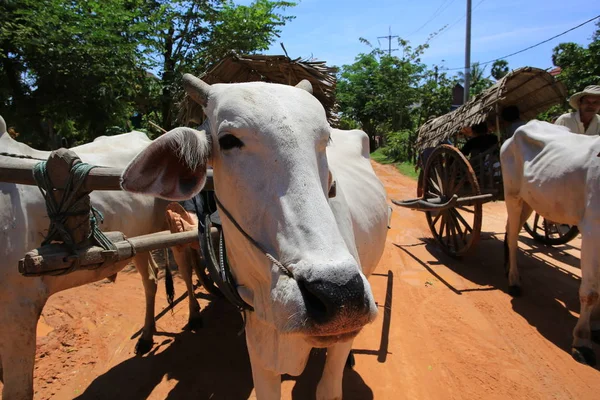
420	184
448	173
550	233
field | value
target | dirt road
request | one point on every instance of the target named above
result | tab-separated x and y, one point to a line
447	329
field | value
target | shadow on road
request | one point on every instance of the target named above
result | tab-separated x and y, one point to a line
212	363
550	293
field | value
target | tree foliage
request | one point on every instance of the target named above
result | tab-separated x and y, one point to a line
391	96
478	82
499	69
68	66
580	65
78	69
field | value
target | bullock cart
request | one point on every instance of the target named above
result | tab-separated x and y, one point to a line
452	188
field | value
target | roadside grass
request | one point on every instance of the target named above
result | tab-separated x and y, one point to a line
405	168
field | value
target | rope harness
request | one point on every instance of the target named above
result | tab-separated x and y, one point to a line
285	270
71	205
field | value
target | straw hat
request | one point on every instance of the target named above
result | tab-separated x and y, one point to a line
592	90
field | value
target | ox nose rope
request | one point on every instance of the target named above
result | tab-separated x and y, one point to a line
279	265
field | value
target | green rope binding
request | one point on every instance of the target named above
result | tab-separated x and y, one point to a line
69	205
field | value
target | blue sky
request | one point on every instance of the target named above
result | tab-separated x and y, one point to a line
329	29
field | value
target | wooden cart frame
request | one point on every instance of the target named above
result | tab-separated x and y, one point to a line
451	188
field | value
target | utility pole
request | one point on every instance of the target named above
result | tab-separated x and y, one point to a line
468	53
389	38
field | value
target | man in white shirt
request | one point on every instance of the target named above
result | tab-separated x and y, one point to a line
585	119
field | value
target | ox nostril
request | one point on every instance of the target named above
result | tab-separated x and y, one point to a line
325	300
316	304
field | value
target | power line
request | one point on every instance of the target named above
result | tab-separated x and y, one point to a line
530	47
433	16
448	26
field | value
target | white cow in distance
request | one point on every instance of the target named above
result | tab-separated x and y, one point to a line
23	220
556	173
274	159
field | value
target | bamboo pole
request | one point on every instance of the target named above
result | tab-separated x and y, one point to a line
56	258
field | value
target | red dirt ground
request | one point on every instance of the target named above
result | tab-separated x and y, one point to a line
447	330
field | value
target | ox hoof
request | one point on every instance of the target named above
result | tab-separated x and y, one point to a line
350	361
584	355
194	324
143	346
596	336
514	291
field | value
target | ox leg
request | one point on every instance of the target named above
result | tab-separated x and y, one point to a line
267	384
17	346
518	211
330	385
148	271
589	298
184	258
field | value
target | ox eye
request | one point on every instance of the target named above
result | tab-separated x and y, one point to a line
228	142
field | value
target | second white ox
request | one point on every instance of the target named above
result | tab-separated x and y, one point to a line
273	155
23	219
550	170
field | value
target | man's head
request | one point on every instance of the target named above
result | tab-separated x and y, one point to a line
510	113
587	101
589	104
479	129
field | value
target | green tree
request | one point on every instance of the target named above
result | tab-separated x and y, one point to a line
78	69
479	82
189	35
500	69
68	67
580	65
378	90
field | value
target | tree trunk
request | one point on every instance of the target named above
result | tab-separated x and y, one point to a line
167	81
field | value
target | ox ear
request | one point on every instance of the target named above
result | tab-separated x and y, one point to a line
172	167
305	85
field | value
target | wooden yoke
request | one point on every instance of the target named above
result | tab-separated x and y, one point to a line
69	245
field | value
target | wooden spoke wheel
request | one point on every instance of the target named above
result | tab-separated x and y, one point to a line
446	174
420	184
548	232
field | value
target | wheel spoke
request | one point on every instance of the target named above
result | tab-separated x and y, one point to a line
437	217
442	226
459	185
461	219
465	209
439	179
462	235
453	231
452	180
434	186
536	221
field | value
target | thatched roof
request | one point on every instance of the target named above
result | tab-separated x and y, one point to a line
532	90
278	69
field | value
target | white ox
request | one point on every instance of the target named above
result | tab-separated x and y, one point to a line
272	152
550	170
23	219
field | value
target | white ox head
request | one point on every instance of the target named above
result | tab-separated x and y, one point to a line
267	146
